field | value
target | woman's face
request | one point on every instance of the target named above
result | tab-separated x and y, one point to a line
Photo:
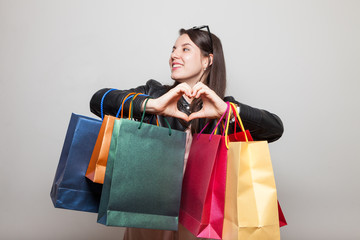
186	61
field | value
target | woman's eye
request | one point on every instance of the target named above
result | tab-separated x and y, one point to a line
186	49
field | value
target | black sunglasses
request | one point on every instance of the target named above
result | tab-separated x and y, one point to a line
208	29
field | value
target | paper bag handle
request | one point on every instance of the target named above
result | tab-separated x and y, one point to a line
217	124
102	102
235	112
131	108
121	105
238	119
143	116
130	95
236	115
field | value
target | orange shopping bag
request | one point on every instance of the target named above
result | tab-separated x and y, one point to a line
97	165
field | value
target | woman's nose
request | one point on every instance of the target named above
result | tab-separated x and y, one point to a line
174	54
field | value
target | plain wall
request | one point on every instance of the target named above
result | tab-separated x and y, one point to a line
298	59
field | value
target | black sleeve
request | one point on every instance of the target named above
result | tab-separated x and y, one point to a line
113	100
262	124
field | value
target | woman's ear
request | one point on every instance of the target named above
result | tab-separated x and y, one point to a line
207	61
211	57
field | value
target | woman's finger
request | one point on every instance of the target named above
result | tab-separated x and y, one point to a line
175	94
181	115
201	92
198	86
186	89
195	115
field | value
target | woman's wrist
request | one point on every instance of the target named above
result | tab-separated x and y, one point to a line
223	109
150	106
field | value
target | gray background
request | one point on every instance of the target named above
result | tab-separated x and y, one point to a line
298	59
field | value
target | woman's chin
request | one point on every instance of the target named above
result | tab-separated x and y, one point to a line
176	78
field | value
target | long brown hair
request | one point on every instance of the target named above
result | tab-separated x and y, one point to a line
215	73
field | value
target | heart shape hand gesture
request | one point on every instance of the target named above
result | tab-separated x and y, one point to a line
166	105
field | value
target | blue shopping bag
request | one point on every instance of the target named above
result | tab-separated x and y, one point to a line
71	189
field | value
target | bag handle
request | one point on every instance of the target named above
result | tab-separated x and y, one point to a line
130	95
238	119
217	124
143	116
102	102
227	110
126	98
156	118
234	109
124	101
236	114
131	108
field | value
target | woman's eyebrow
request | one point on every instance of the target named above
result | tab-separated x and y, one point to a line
183	45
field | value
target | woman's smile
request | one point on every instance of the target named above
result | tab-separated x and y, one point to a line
176	65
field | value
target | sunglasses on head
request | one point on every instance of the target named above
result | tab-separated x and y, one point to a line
208	29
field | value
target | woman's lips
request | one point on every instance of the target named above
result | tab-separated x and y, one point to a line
176	66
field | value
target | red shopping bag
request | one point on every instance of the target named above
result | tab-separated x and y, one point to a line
203	190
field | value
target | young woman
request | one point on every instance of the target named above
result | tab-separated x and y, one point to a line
197	96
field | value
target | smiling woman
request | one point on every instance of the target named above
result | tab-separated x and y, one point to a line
197	96
187	62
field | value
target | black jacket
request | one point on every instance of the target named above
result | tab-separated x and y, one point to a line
262	124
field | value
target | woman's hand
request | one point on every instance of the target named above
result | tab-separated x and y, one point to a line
213	105
166	105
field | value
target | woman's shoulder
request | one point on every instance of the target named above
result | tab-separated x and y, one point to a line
155	88
153	82
156	84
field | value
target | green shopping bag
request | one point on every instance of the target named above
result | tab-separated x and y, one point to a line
143	178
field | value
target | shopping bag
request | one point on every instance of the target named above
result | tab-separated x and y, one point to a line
143	178
282	220
203	191
251	208
240	136
70	189
97	165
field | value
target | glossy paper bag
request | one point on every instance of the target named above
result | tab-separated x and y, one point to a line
70	189
240	136
143	177
203	193
97	165
251	210
251	207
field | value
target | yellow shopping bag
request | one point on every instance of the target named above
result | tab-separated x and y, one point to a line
251	208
